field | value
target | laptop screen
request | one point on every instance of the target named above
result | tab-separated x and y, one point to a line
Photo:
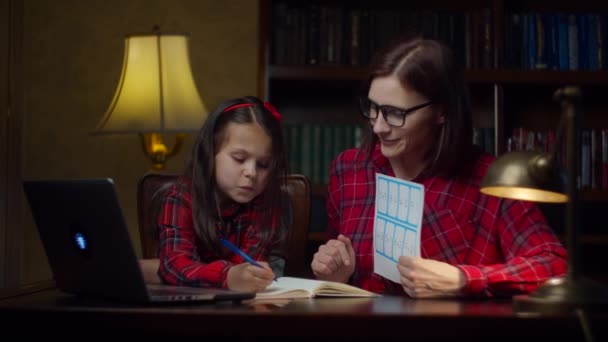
87	241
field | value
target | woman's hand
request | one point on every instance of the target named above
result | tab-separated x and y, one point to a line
335	260
249	278
426	278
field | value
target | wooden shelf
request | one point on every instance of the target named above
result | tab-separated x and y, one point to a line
593	239
594	195
588	239
317	236
316	72
538	77
475	76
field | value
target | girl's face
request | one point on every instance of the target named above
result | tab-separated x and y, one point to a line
410	142
243	161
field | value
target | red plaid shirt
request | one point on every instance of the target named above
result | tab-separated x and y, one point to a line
504	247
183	262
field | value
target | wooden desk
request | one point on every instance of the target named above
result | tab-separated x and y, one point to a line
53	313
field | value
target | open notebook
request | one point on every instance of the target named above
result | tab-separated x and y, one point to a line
292	288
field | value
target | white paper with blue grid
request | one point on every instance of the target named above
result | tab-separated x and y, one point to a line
397	223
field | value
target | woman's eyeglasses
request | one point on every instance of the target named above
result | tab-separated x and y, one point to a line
392	115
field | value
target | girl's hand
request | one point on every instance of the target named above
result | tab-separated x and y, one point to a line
249	278
335	260
426	278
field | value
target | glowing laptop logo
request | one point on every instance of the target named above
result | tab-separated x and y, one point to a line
80	240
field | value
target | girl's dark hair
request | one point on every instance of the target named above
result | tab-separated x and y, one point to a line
200	170
429	67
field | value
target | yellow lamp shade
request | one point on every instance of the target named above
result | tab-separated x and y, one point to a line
156	92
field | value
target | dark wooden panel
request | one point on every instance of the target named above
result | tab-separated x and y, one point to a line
12	204
4	85
350	319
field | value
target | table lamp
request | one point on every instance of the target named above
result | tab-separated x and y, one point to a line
537	177
156	94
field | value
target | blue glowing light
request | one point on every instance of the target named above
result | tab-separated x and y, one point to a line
81	241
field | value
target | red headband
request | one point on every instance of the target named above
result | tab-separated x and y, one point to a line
267	105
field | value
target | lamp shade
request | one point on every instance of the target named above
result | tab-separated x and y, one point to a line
525	176
156	92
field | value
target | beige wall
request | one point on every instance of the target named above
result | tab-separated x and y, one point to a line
73	51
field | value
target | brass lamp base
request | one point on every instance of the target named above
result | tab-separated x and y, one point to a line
563	295
157	151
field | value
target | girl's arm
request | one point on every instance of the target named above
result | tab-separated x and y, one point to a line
180	262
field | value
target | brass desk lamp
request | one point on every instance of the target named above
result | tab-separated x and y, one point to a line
536	177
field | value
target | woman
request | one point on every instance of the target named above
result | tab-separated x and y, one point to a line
420	130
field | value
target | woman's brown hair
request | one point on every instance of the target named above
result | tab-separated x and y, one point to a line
428	67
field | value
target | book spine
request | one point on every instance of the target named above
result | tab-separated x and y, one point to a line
329	140
541	42
572	42
585	159
605	158
595	166
583	41
315	157
563	41
313	34
355	36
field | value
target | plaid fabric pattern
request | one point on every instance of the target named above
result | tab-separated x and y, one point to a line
183	262
504	247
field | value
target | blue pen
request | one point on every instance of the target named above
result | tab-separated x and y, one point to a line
236	250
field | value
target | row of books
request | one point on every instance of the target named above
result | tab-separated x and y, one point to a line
592	159
556	41
312	147
313	33
529	140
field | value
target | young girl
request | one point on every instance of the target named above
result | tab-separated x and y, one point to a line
231	189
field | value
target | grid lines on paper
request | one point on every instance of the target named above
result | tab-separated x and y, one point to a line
397	218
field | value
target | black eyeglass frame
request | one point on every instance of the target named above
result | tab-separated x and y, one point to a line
402	112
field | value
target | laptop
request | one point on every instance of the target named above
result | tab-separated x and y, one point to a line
87	243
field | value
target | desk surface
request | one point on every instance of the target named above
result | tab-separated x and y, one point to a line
348	318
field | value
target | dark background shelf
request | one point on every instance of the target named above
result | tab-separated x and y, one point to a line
484	76
503	97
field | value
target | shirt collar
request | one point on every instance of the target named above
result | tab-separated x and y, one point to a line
235	209
231	210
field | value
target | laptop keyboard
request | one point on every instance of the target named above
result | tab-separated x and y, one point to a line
167	290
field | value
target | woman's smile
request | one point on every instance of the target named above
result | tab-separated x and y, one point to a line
389	142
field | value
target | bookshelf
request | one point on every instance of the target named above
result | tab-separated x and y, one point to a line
498	76
314	56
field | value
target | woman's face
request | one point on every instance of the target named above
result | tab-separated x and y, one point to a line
412	141
243	161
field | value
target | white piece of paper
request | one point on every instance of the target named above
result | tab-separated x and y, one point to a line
397	223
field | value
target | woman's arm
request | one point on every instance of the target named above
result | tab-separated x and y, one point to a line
532	252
